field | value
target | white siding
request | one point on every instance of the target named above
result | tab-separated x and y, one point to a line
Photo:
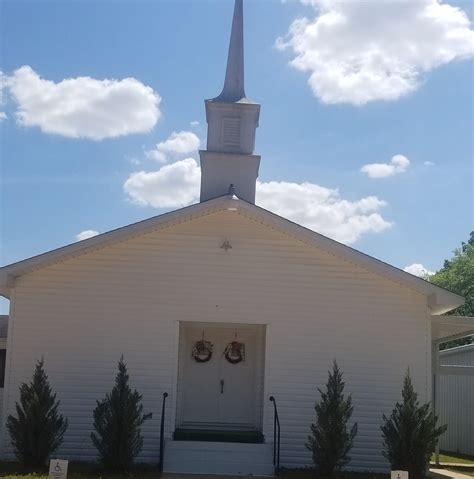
456	402
3	345
81	315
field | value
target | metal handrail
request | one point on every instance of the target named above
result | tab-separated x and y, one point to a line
162	434
276	437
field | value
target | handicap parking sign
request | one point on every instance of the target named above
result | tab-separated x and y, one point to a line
58	469
399	475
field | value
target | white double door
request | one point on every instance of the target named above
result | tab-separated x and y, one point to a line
218	394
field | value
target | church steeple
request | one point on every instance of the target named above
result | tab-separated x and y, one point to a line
234	85
232	122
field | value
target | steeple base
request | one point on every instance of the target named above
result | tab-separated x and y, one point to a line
220	170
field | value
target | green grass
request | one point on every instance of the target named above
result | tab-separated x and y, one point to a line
457	459
80	476
309	474
454	458
11	470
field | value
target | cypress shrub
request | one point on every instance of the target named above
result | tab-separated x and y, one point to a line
38	429
411	433
330	441
117	422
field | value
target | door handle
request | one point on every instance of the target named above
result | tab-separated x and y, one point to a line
222	386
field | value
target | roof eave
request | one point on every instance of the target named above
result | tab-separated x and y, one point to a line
10	272
440	300
451	327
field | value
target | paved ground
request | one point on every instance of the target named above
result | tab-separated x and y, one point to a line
203	476
453	464
444	474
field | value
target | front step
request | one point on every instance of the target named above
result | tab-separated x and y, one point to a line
210	435
196	457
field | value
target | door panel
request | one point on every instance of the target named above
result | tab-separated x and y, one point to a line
205	401
200	399
237	403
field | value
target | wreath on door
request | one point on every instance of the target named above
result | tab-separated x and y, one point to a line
235	352
202	351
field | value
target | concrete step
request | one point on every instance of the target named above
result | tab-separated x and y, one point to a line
196	457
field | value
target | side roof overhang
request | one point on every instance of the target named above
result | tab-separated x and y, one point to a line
439	300
448	328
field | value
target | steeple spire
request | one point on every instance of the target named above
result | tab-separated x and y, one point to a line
229	165
234	89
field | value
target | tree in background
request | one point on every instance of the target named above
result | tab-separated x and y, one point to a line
457	275
330	441
117	421
39	429
410	434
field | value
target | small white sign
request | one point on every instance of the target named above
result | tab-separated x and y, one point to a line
58	469
399	475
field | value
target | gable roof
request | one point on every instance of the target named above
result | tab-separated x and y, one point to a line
440	300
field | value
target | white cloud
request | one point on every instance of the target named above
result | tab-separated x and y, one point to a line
83	107
323	210
156	155
172	186
83	235
316	207
3	115
357	52
418	269
429	163
134	161
182	143
398	164
194	124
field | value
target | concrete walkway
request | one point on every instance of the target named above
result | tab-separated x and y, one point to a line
210	476
444	474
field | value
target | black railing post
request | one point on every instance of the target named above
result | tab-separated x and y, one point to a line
162	434
278	449
276	437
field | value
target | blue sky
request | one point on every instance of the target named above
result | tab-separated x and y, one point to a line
372	82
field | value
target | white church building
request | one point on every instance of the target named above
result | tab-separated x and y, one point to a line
220	306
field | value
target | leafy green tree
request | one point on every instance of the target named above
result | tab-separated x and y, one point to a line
411	433
117	421
38	429
457	275
330	441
